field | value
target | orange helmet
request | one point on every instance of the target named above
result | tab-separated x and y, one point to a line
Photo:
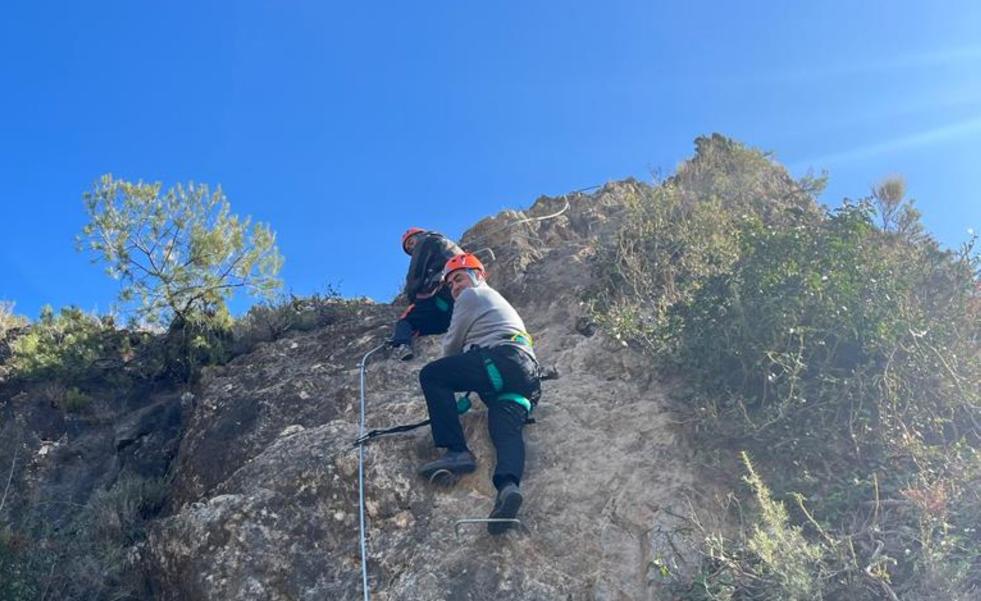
412	231
464	261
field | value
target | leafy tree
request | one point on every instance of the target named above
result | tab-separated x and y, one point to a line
180	254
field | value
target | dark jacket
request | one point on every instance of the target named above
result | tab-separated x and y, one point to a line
429	256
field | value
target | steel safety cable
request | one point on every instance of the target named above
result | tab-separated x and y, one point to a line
361	431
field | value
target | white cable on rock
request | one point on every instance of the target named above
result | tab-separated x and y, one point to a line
520	221
364	547
542	218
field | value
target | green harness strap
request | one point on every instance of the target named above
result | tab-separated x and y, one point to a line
517	398
441	304
497	382
494	374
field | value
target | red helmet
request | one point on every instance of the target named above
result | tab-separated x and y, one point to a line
464	261
412	231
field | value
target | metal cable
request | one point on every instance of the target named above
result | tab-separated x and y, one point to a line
361	430
519	222
542	218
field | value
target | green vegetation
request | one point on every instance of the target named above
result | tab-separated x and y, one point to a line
180	255
771	558
840	349
70	351
93	556
76	400
9	320
10	325
272	320
61	346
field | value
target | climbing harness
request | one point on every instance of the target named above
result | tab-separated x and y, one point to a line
364	548
463	403
522	338
497	380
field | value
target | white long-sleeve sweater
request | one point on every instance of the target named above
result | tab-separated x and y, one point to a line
482	317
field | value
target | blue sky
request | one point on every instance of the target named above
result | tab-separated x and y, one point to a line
342	124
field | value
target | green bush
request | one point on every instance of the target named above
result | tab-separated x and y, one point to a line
194	341
847	348
10	325
664	251
72	347
98	559
63	346
770	559
18	576
92	556
272	320
76	400
9	320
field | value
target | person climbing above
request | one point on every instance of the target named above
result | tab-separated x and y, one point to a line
430	303
485	350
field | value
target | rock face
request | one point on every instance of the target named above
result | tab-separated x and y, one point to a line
57	460
265	498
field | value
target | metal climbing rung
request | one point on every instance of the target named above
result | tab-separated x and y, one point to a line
465	521
442	473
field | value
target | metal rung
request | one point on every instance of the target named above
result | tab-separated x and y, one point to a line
433	477
464	521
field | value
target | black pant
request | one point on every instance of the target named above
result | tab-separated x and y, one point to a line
505	419
424	318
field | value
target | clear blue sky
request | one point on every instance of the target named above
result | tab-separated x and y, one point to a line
341	124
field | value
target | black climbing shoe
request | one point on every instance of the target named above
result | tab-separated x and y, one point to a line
403	352
505	507
457	462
